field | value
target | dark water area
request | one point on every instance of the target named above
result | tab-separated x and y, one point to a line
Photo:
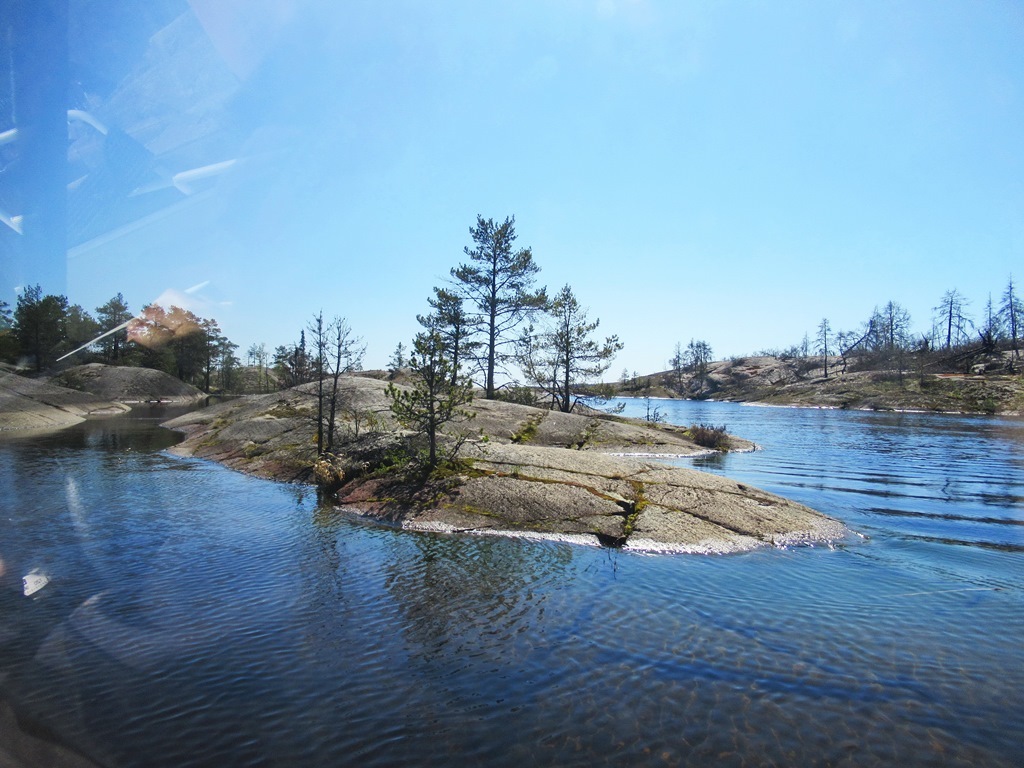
195	616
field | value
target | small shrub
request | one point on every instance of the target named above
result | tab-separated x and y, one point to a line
454	468
328	475
709	436
517	394
589	433
653	415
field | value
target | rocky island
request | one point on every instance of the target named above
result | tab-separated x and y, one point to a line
32	404
125	384
993	385
81	392
518	470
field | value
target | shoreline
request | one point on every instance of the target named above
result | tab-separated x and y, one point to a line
920	411
519	477
992	386
823	407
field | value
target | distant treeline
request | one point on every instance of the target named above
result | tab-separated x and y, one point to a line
955	339
42	331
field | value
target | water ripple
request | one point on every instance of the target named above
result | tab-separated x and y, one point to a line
199	617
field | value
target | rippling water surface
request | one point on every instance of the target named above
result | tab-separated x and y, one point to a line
195	616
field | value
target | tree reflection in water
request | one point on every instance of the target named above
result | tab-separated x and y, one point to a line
472	594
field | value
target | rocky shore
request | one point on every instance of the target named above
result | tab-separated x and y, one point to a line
127	384
801	382
32	404
82	392
520	470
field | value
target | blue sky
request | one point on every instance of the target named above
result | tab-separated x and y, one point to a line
731	172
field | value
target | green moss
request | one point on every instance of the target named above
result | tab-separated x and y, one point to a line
253	450
457	467
634	509
639	500
285	410
208	442
528	431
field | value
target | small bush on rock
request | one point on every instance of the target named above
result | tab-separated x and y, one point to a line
709	436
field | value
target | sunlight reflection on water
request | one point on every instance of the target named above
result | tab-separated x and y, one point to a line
199	617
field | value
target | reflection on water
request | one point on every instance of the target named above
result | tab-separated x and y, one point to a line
952	478
198	617
444	585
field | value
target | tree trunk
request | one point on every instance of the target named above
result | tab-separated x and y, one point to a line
320	410
491	340
566	397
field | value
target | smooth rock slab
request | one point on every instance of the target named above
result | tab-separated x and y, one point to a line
127	384
520	479
32	404
622	500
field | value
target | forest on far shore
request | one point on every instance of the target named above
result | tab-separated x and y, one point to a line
47	332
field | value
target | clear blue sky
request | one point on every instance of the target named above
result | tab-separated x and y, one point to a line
725	171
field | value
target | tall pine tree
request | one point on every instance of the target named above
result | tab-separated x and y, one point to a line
498	285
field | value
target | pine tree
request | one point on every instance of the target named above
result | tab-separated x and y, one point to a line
498	284
1011	312
436	395
952	317
113	318
824	331
345	355
698	356
397	360
676	363
8	341
449	318
40	325
563	356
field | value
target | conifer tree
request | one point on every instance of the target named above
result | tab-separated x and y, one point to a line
952	317
437	391
40	325
563	356
397	360
8	342
824	334
498	284
113	318
336	351
450	319
1011	312
676	363
698	356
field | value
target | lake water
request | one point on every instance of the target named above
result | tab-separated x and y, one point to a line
194	616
